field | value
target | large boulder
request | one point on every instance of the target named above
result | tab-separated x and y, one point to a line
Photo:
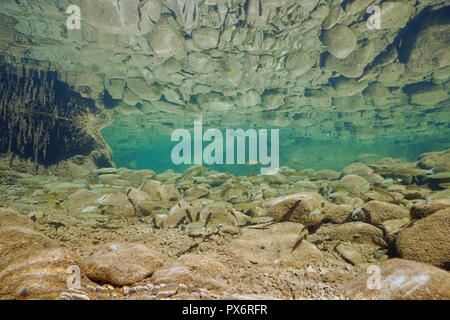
427	240
352	183
305	207
429	95
379	211
277	244
43	275
299	63
395	14
153	189
18	242
399	280
10	217
344	87
426	50
353	65
357	168
439	161
116	88
356	6
340	41
422	210
338	213
143	90
357	232
352	252
114	204
205	38
122	263
165	41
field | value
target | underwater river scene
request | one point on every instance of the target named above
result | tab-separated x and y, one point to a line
224	150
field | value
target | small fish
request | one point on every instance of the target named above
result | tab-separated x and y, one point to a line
382	192
208	220
443	194
102	206
222	218
88	209
64	185
106	190
440	175
302	236
189	216
245	206
413	172
445	185
194	226
257	220
380	241
105	170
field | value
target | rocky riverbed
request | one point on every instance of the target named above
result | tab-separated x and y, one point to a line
118	233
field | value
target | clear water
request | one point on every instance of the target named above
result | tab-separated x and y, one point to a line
151	147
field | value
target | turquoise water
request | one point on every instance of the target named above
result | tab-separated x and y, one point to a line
151	148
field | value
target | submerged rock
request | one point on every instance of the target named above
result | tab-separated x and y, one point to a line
153	189
299	63
277	244
122	263
399	280
340	41
359	169
115	204
394	225
426	50
439	161
422	210
42	275
353	65
338	213
10	217
352	183
379	211
306	208
205	38
427	240
357	232
19	242
351	253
